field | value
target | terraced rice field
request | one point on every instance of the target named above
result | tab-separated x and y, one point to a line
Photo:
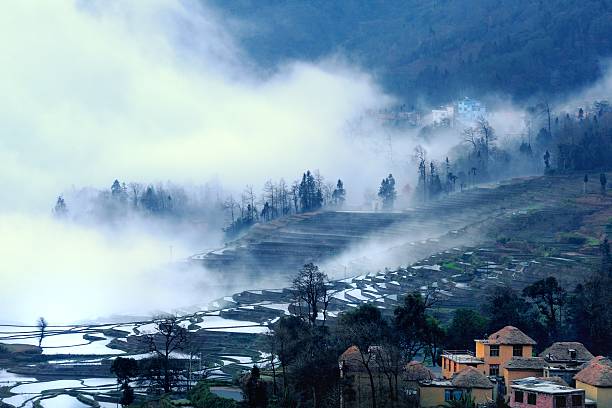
457	248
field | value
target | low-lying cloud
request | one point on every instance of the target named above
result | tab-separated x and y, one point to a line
155	91
158	91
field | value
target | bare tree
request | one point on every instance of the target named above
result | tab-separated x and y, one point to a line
42	326
487	135
284	200
545	110
390	361
310	287
249	196
170	337
470	136
273	346
419	156
230	205
365	329
136	189
295	196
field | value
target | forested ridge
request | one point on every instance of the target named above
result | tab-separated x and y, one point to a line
438	49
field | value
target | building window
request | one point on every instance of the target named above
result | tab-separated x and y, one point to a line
452	395
454	366
577	400
531	398
517	351
518	396
494	370
572	354
494	351
560	401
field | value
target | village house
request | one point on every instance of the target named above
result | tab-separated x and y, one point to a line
545	393
470	110
564	359
491	353
415	372
596	379
522	367
355	379
470	381
454	361
444	116
561	359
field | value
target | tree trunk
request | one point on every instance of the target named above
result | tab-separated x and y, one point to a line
284	381
273	376
372	387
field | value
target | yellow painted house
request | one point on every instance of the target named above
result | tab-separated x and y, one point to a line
470	381
522	367
491	353
596	380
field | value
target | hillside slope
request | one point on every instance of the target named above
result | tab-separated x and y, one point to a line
370	241
438	48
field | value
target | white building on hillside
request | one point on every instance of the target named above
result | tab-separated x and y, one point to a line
469	110
443	116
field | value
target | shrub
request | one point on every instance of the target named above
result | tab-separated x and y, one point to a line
572	238
201	397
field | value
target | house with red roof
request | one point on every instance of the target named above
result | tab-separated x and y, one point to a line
596	379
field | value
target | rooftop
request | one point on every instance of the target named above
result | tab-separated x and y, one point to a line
597	372
562	351
509	335
462	356
526	363
351	359
470	377
552	385
415	371
437	382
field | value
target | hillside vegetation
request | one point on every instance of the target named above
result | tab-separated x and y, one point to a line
439	49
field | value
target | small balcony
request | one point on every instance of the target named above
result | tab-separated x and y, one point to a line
462	357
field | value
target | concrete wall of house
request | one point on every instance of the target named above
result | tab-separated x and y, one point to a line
359	383
482	395
566	375
603	396
511	375
483	351
449	368
542	401
430	397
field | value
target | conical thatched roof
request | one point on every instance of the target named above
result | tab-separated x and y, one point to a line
560	351
470	377
351	359
597	372
510	335
415	371
526	363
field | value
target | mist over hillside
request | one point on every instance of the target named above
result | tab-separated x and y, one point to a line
438	49
304	203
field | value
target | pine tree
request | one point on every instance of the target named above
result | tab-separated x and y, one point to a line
339	194
149	200
116	190
387	192
61	209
